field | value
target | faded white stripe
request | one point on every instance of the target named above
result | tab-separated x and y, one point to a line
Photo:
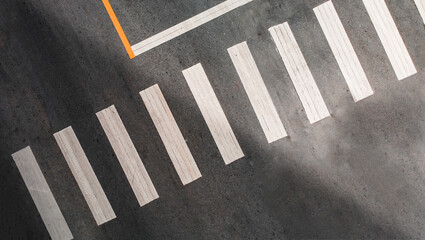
420	4
84	175
343	51
187	25
299	72
390	37
170	134
257	92
213	113
41	194
127	155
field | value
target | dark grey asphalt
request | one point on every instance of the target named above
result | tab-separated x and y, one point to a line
358	174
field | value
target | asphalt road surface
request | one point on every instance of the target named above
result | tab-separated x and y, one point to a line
357	174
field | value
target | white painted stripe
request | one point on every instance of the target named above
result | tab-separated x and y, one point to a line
170	134
213	113
299	72
390	38
127	155
187	25
421	7
84	175
343	51
41	194
257	92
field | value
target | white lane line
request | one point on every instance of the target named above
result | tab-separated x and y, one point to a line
213	113
390	38
41	194
299	72
84	175
343	51
187	25
170	134
127	155
257	92
421	7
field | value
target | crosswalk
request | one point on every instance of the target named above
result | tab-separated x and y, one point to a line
257	92
213	113
84	175
170	134
300	74
254	85
127	155
41	194
390	38
420	4
343	51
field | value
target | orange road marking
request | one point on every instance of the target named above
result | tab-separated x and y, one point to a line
118	28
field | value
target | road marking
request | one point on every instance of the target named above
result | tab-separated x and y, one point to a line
390	38
187	25
170	134
127	155
213	113
343	51
118	27
84	175
41	194
257	92
299	72
421	7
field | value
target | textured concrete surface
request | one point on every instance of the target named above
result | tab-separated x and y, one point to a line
358	174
